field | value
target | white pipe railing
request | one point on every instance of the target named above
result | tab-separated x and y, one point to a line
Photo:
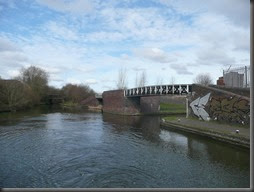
158	90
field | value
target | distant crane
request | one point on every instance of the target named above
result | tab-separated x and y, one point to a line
226	70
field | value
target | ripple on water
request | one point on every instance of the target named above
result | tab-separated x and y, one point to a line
124	176
85	150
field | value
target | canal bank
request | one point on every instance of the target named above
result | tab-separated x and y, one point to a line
214	130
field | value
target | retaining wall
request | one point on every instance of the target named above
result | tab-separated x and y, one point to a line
212	103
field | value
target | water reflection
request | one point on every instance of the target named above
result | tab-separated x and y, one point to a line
192	146
11	118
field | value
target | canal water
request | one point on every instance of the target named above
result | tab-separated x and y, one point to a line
54	148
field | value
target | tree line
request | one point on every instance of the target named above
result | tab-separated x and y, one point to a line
31	88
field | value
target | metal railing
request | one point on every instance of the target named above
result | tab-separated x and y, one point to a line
179	89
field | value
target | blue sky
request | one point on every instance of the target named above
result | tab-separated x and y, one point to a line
88	41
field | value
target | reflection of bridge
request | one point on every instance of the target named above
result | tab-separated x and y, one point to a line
181	89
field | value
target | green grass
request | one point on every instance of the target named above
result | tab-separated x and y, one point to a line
172	108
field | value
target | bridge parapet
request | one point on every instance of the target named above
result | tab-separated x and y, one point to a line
179	89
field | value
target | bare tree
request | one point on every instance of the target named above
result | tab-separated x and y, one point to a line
172	80
122	79
142	80
136	80
203	79
36	78
159	81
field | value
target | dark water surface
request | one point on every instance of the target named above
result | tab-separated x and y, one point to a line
53	148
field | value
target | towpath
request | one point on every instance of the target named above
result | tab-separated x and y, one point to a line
214	129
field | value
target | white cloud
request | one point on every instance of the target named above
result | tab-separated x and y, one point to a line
214	56
139	23
13	73
138	69
241	40
237	11
56	55
104	36
91	81
10	54
181	69
60	31
7	45
106	87
52	70
73	81
154	54
74	6
139	38
56	78
12	58
7	4
125	56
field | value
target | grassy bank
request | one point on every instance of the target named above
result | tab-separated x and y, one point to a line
172	108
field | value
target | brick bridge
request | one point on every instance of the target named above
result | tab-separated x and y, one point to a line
144	100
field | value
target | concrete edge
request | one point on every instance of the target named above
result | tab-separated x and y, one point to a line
215	136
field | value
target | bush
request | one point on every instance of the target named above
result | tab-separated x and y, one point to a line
15	95
76	93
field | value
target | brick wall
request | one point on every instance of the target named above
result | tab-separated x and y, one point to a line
90	101
115	102
220	81
149	104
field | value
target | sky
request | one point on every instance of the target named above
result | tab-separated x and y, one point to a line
89	41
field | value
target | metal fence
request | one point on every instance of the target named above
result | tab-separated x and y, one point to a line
237	77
